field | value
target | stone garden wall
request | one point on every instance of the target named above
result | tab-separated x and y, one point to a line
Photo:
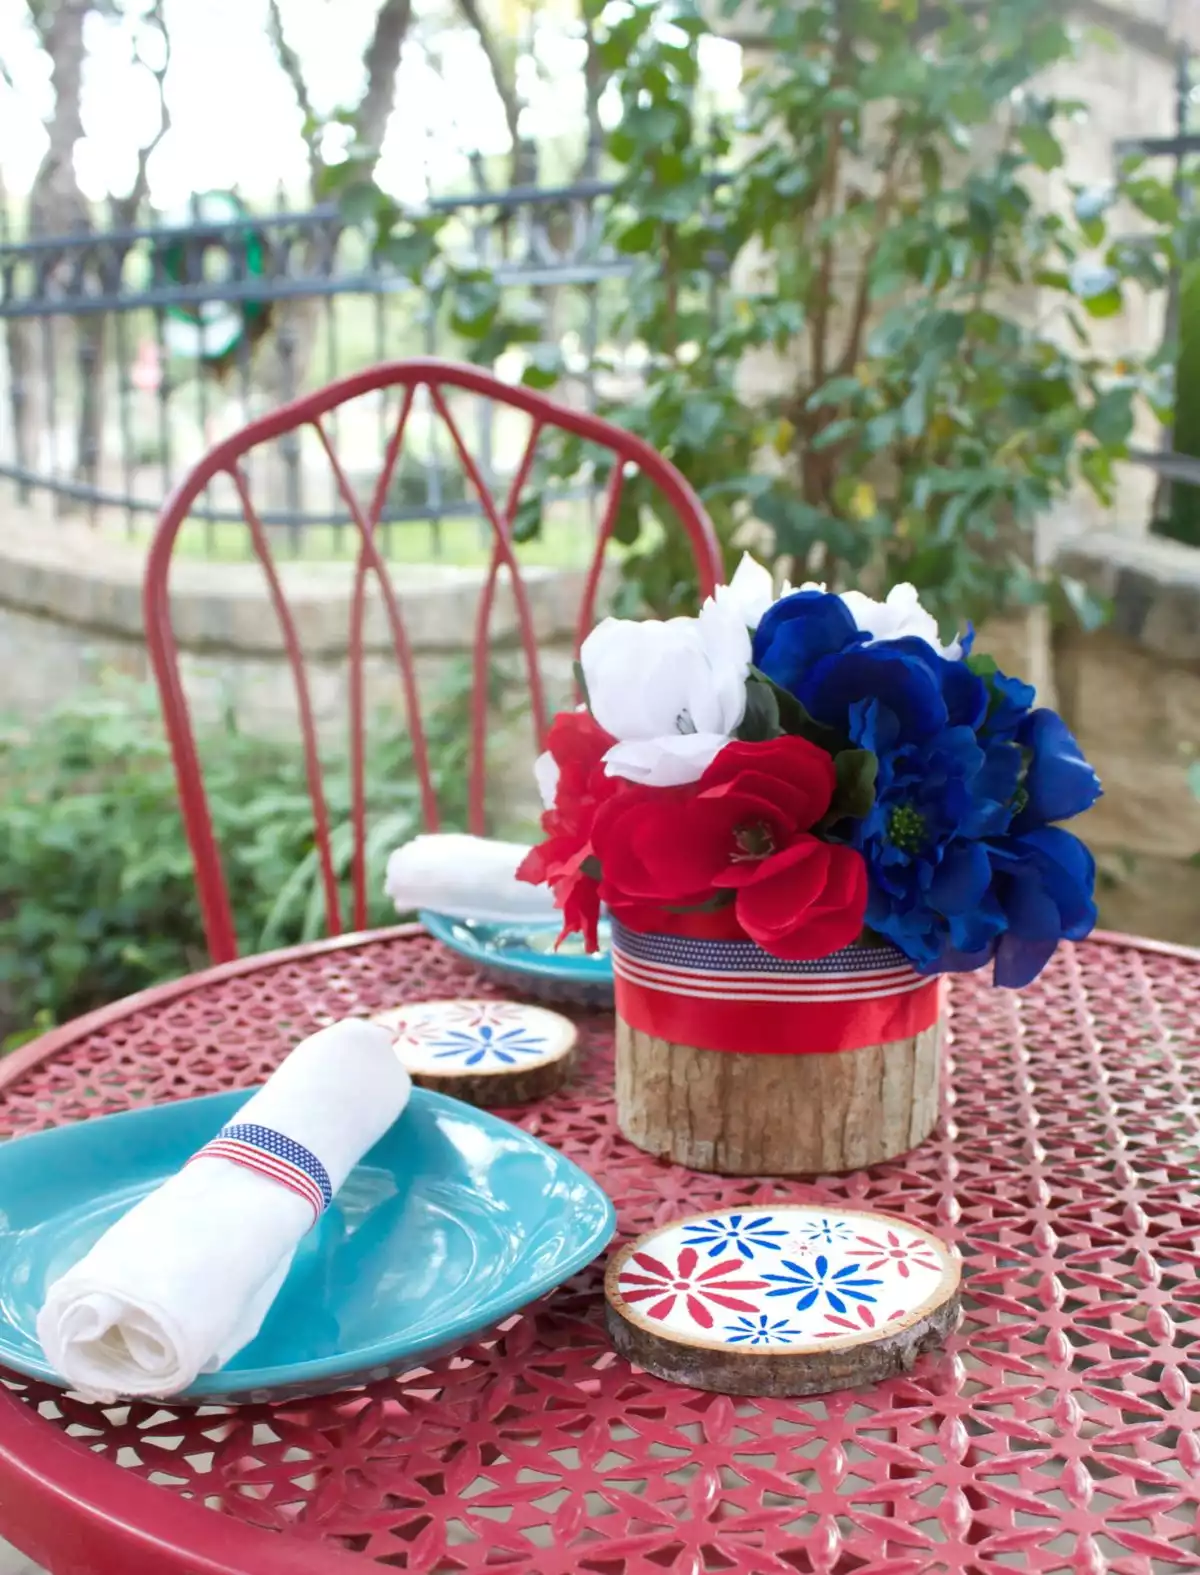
1132	695
70	609
70	602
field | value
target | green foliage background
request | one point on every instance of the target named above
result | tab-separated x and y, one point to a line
97	895
887	224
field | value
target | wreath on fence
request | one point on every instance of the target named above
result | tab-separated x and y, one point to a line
212	331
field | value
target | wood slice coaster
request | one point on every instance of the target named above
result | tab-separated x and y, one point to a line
781	1299
485	1052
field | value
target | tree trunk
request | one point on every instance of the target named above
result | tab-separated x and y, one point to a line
382	60
523	159
37	363
594	79
289	347
56	205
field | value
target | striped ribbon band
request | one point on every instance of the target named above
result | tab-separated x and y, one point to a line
744	956
276	1156
732	995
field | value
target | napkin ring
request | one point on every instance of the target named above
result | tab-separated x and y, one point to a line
276	1156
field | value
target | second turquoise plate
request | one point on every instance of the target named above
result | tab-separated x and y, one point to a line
525	957
452	1222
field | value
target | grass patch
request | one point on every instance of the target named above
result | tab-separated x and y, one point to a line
567	541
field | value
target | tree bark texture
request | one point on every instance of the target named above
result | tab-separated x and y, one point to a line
744	1371
806	1114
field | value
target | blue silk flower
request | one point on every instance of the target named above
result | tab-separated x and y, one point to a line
965	862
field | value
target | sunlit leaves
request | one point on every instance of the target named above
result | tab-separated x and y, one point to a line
1042	146
863	324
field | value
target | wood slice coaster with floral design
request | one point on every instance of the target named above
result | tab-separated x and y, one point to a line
485	1052
781	1299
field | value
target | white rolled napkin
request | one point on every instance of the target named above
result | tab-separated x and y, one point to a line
467	878
184	1280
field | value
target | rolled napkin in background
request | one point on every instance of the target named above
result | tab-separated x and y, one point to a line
184	1280
468	878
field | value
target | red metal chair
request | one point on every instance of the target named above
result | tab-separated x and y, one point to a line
310	411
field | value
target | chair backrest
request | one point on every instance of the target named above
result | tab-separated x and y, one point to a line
440	379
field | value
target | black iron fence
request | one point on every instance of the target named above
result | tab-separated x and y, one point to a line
129	351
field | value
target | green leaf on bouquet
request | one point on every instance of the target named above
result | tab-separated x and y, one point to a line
794	719
855	791
581	684
761	721
870	937
986	669
719	899
982	666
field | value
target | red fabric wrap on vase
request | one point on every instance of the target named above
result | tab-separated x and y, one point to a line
700	986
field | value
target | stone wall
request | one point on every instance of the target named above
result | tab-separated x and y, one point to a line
1132	695
70	607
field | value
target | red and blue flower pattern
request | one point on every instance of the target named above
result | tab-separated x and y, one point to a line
783	1277
649	1279
477	1036
741	1232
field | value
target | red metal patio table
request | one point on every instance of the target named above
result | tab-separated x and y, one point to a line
1059	1431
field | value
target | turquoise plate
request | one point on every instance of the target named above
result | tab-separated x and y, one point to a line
453	1221
524	956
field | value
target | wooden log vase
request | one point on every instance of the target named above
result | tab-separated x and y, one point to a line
735	1061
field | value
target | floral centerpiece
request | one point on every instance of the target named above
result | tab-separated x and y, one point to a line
799	811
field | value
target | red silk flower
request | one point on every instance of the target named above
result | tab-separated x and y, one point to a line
744	827
576	743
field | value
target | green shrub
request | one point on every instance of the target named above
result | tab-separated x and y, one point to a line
97	895
869	345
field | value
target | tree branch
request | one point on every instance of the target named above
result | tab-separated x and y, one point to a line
594	79
823	284
42	16
126	208
822	299
289	62
883	207
521	170
382	61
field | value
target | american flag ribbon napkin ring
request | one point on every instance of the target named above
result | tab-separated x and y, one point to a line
276	1156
